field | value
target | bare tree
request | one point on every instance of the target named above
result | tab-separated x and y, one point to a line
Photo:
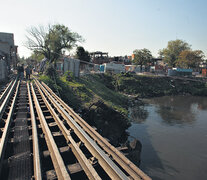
36	40
51	40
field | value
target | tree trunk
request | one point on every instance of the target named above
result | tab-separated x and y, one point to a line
55	64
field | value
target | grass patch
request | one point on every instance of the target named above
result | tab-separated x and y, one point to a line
85	91
110	97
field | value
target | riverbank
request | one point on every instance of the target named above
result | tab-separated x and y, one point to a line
154	86
99	105
103	100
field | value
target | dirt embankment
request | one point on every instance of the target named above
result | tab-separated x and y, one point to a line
103	100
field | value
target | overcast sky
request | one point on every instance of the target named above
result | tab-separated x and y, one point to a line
114	26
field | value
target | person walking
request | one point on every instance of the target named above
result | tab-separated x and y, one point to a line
27	73
18	70
21	70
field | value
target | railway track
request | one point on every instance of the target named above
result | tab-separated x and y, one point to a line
43	138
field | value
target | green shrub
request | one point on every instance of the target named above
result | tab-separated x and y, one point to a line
51	71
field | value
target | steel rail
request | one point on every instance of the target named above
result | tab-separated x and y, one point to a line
36	152
85	164
124	162
57	160
5	91
6	99
6	127
107	164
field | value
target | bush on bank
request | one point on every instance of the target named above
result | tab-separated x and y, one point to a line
99	106
102	99
145	86
112	89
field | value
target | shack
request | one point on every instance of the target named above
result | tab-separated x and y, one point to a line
204	72
8	50
180	72
99	57
133	68
114	68
102	68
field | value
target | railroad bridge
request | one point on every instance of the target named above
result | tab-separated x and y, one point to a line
41	137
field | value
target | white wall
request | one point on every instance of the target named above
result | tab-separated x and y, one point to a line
72	65
116	68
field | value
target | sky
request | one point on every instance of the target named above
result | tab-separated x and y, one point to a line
114	26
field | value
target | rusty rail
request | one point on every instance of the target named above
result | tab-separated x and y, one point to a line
57	160
124	162
4	136
36	152
107	164
87	147
88	168
6	99
5	92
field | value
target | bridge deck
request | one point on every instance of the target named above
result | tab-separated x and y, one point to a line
20	166
54	143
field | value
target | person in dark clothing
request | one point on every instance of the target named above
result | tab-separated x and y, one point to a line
21	71
28	72
18	70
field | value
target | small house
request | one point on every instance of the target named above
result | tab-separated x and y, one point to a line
204	72
114	68
180	72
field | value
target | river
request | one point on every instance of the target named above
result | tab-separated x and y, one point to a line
173	134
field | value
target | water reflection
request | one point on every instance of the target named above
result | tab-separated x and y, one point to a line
202	105
138	114
179	109
173	137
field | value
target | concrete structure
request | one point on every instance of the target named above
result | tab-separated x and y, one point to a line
8	51
133	68
122	59
96	67
59	66
158	69
102	68
99	57
72	65
3	70
87	67
63	65
114	68
180	72
171	72
42	65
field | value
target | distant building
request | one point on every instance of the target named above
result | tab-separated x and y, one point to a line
122	59
180	72
8	50
204	72
133	68
63	65
112	67
157	61
42	65
99	57
3	70
72	65
132	57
